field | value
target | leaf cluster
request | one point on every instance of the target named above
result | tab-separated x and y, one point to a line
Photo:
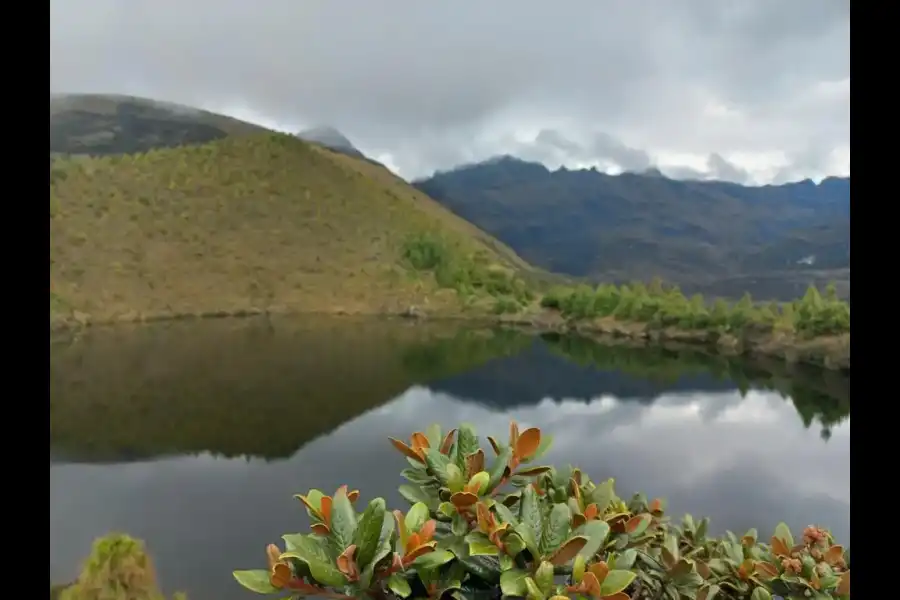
480	527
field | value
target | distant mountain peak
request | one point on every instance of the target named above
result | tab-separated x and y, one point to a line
330	138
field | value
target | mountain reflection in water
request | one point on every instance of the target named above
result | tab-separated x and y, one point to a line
142	422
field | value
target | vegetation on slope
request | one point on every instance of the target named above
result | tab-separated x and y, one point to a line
261	221
635	226
665	306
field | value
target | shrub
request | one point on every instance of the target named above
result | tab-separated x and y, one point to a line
662	306
118	568
467	535
425	251
467	274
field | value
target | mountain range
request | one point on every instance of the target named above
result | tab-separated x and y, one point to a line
699	234
709	236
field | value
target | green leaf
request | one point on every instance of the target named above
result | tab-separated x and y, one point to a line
256	580
486	568
534	591
700	533
399	585
530	512
624	560
343	519
556	530
546	442
467	443
499	468
482	479
527	535
603	495
505	515
416	517
543	577
596	533
368	532
434	435
783	532
292	541
438	464
308	550
458	524
532	471
513	543
433	559
456	481
512	582
416	476
414	493
480	545
760	594
383	549
616	581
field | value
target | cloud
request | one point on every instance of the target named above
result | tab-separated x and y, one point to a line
426	85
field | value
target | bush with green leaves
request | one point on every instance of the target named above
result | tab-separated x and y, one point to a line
118	568
505	527
467	274
666	306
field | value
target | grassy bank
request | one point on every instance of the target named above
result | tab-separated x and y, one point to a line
812	330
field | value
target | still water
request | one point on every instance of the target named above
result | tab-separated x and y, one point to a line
195	436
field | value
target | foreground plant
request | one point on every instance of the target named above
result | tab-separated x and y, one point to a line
118	567
484	528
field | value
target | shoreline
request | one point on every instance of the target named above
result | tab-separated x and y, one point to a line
827	352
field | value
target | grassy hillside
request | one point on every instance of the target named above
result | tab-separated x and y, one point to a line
636	226
262	221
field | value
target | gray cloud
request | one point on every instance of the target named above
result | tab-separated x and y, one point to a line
426	85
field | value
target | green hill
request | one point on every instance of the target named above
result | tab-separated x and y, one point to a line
257	220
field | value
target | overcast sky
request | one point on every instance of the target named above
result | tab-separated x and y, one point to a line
745	90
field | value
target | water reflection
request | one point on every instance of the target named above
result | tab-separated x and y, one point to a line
743	458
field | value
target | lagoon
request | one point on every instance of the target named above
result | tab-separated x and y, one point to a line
195	435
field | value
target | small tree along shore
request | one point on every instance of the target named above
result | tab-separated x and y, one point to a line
485	528
656	303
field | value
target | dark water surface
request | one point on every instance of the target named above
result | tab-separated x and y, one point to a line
195	436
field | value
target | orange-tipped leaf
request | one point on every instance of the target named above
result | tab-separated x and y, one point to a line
463	500
448	442
426	533
406	450
567	551
528	443
779	548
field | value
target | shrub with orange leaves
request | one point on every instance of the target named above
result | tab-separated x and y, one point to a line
477	528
